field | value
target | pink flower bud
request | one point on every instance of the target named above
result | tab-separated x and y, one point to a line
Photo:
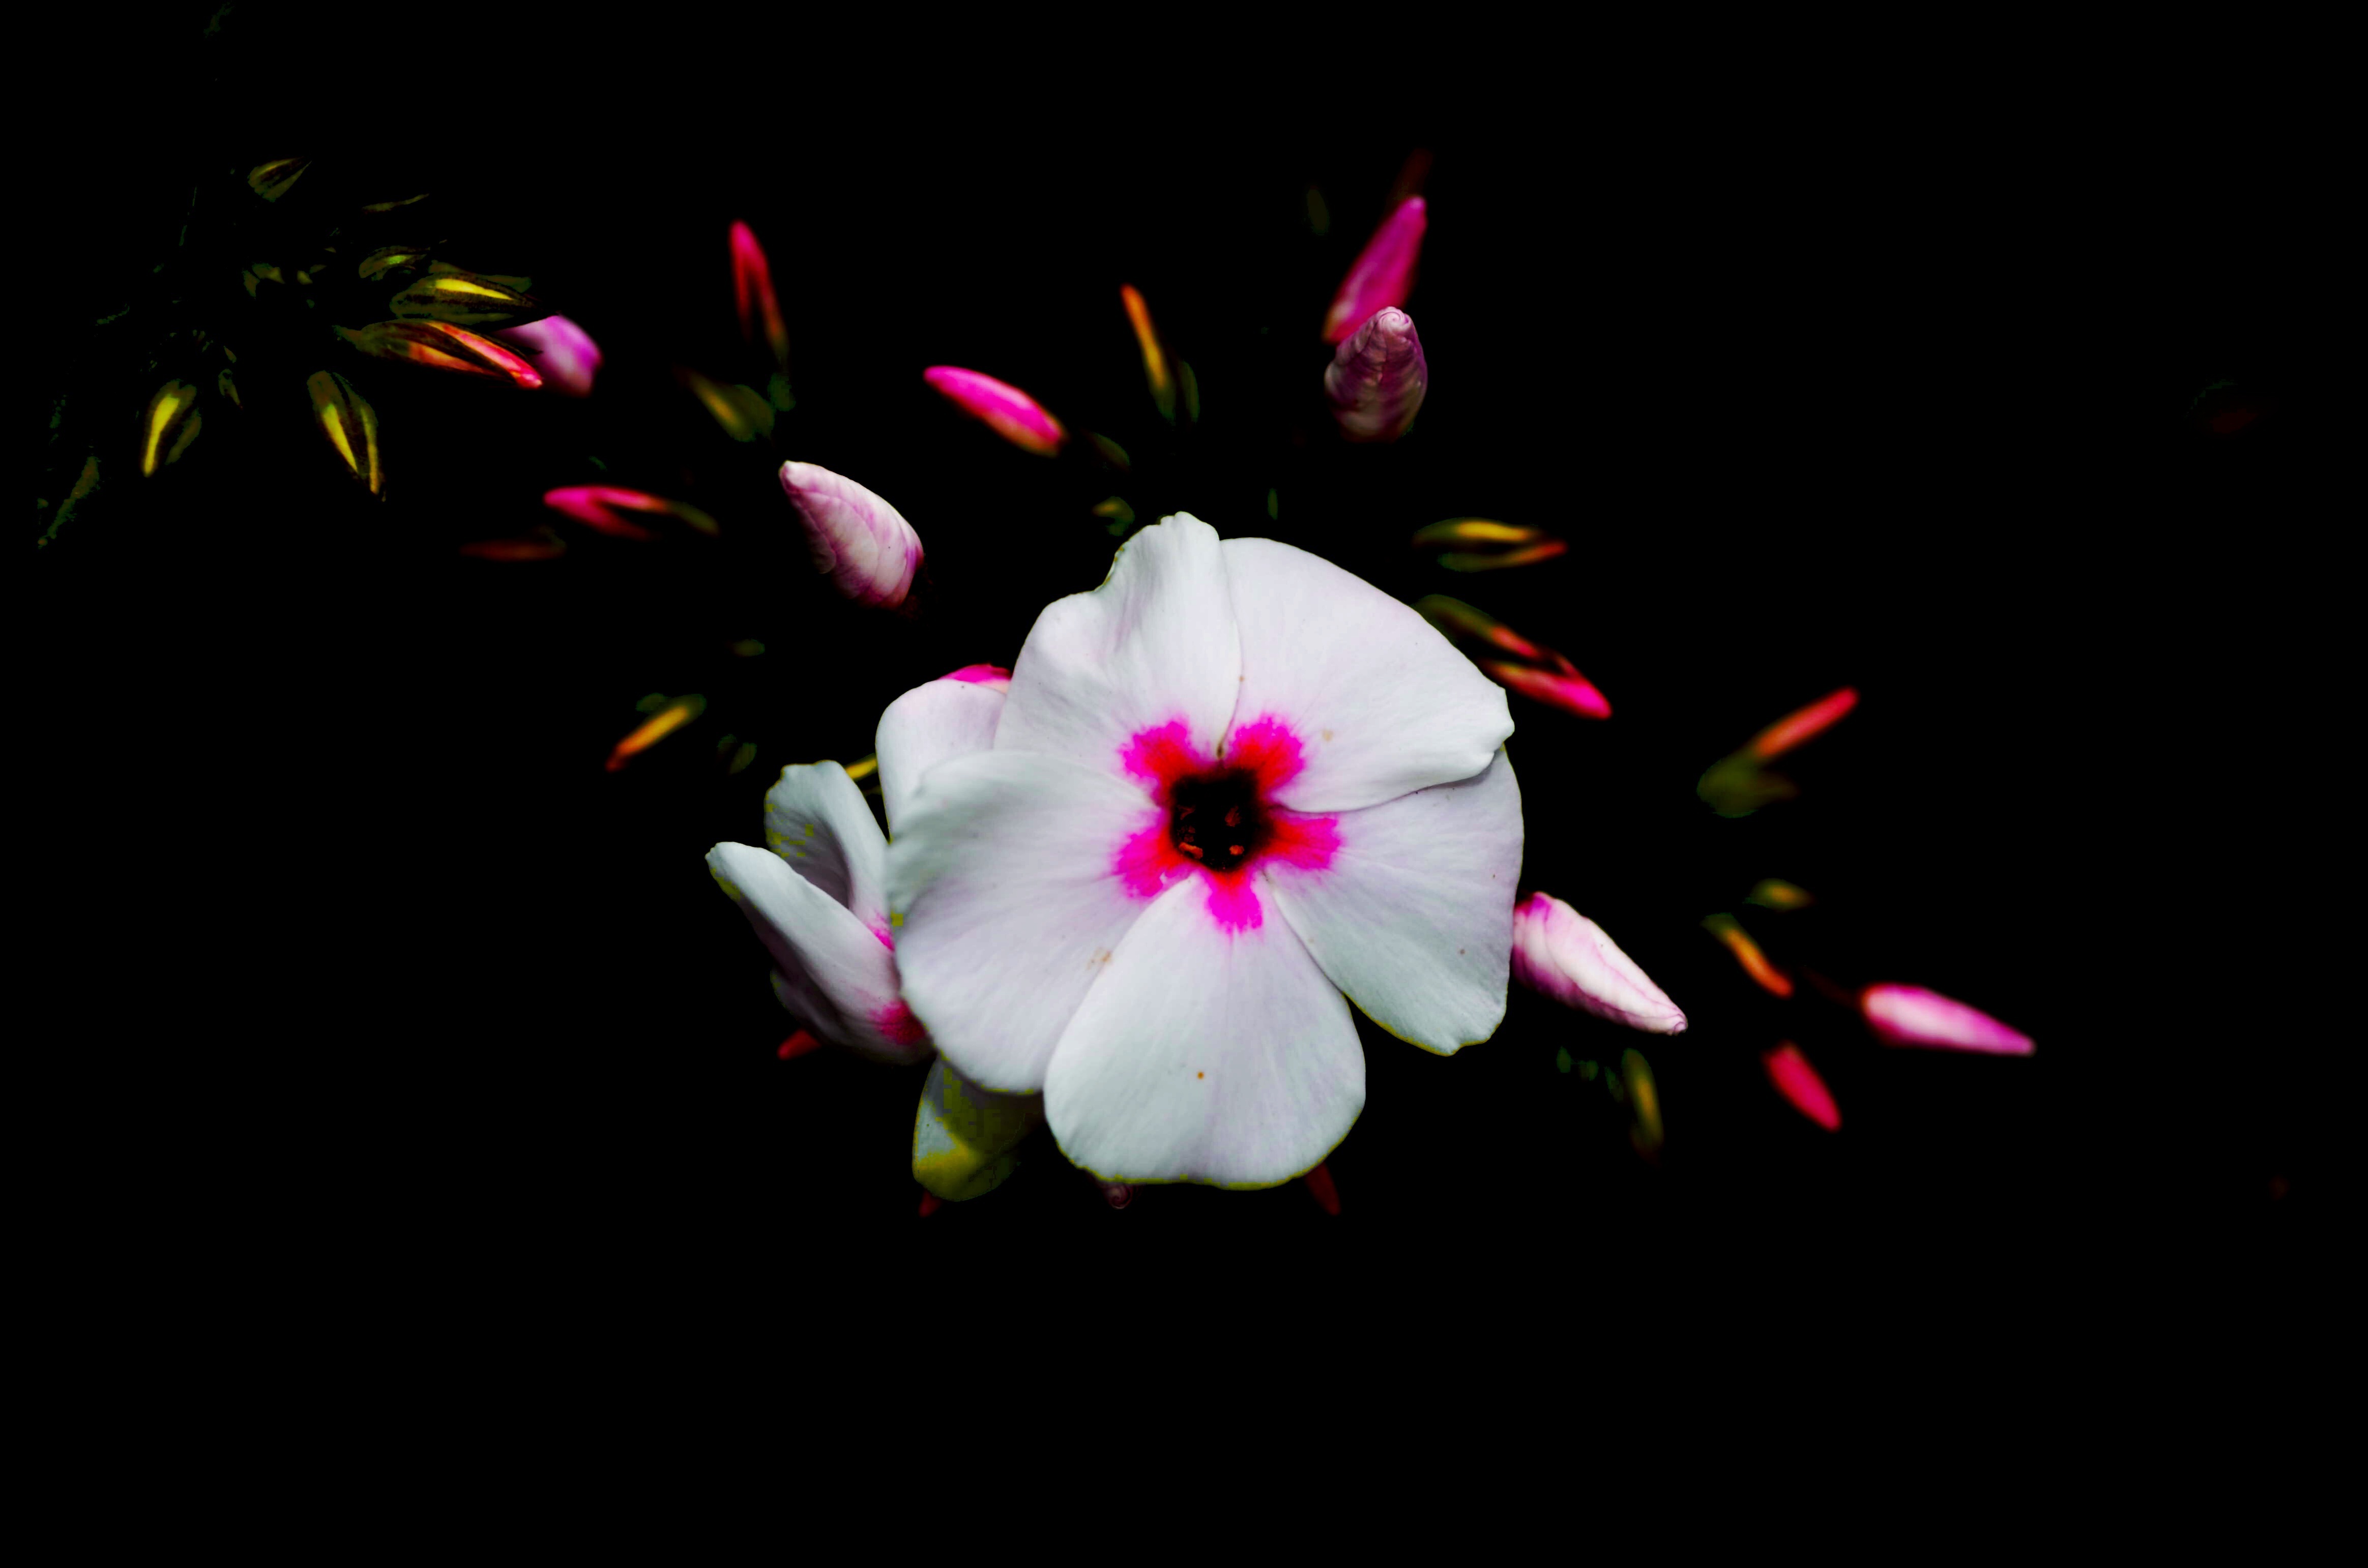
1799	1084
563	354
1382	273
1008	412
1561	952
1909	1014
869	552
1377	378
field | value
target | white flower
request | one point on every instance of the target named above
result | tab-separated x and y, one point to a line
1227	786
816	901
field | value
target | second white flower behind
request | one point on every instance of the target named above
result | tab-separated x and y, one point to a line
1227	786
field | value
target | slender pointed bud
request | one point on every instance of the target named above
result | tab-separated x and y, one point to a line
1771	894
1383	274
543	544
1806	725
1544	550
994	678
1155	358
1563	954
1572	693
517	280
1120	515
964	1136
597	507
868	550
658	726
465	300
167	425
271	180
1459	619
1117	1193
743	415
1476	531
1643	1101
1319	1187
1910	1015
1378	378
227	387
351	425
1799	1084
1005	410
1189	385
396	203
391	259
561	353
1729	930
797	1045
1111	452
752	292
443	347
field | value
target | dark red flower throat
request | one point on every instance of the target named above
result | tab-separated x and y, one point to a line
1216	818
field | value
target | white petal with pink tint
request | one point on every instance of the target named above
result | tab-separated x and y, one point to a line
1003	875
1383	704
828	961
816	819
930	723
1154	642
858	539
1414	915
1562	953
1203	1055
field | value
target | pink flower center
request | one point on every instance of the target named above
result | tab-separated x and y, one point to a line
1219	818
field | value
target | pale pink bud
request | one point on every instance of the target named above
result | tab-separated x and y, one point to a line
1910	1015
1377	378
860	542
563	352
1383	274
1561	952
1008	412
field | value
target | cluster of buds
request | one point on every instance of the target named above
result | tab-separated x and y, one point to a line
1543	674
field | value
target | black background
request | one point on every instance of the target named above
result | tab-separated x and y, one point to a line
1831	377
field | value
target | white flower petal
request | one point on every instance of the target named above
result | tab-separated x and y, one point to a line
964	1136
1010	903
1153	645
828	961
926	725
816	820
1382	704
1203	1055
1414	915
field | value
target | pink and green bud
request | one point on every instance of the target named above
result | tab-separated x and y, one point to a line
563	352
1383	274
1377	378
1005	410
1910	1015
597	506
1497	544
1572	692
1563	954
1799	1084
441	347
752	292
465	300
867	549
1154	355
